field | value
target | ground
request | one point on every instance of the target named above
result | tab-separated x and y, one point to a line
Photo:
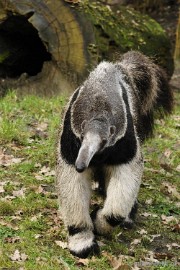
32	235
31	232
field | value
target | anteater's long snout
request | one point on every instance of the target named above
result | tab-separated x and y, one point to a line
90	146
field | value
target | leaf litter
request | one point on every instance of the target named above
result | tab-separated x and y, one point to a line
8	159
18	257
117	262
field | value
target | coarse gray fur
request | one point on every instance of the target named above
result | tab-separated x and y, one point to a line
100	96
103	129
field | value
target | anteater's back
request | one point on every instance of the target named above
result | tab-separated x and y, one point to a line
151	89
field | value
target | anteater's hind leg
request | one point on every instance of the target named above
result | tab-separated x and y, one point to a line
74	196
122	189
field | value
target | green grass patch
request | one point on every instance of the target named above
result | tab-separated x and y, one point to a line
29	220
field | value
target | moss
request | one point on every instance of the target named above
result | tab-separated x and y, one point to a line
126	30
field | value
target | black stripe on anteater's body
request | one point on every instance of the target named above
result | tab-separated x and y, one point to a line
106	120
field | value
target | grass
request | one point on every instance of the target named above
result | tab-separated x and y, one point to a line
29	220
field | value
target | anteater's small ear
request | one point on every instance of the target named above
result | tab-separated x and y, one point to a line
83	125
112	130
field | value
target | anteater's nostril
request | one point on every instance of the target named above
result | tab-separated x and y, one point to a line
80	167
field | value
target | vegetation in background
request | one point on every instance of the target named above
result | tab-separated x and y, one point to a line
32	235
126	29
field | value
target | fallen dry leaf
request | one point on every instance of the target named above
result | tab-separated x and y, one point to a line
39	177
163	256
8	198
177	204
172	245
153	236
41	259
39	190
42	126
171	189
142	232
145	214
160	122
167	153
47	171
7	160
150	257
37	165
176	228
84	262
38	130
148	201
37	236
12	239
18	257
117	262
19	193
61	244
9	225
24	257
2	189
101	244
36	217
168	219
136	242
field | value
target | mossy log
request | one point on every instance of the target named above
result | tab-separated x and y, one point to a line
50	46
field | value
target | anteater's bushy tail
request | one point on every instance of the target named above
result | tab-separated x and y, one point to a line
151	90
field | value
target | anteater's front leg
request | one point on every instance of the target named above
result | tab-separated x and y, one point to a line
74	191
123	182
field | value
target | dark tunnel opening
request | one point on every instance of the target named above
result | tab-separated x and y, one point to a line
21	49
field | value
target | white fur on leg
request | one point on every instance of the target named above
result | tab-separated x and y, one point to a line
122	191
81	244
74	190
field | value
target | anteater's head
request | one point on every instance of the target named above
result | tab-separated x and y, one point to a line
96	134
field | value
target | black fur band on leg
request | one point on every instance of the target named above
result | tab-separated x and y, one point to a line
114	221
134	210
82	242
94	213
94	216
74	230
93	250
129	222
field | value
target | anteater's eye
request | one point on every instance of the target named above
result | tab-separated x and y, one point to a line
104	141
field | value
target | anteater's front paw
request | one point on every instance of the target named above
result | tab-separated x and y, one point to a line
127	224
83	244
